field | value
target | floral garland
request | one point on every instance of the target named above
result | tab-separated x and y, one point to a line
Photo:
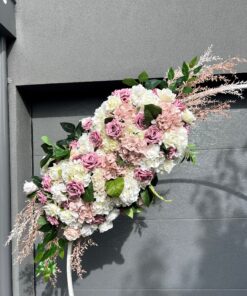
109	163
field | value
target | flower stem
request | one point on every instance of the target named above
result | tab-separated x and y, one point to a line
156	194
69	273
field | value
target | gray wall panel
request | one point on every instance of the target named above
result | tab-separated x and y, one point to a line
94	40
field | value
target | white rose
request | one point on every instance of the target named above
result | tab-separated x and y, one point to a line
67	217
102	208
188	116
71	233
51	210
85	144
29	187
113	215
166	95
177	138
105	226
87	230
55	172
58	192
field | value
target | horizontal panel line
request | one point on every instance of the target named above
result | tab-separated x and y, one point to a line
175	289
192	219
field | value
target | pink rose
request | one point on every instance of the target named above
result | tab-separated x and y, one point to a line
179	105
144	176
95	139
75	189
71	234
91	160
46	183
42	198
139	121
113	129
73	144
153	135
123	93
52	220
87	123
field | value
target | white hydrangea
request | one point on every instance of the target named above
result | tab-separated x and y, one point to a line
102	208
55	171
88	230
112	103
51	210
29	187
167	166
113	215
105	226
146	97
58	192
188	116
99	117
177	138
153	158
85	144
68	217
99	185
166	95
131	189
76	172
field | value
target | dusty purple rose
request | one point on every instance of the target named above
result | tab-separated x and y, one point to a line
87	123
52	220
91	160
75	189
139	121
153	135
179	105
42	198
172	153
144	176
123	93
95	139
98	219
46	183
113	129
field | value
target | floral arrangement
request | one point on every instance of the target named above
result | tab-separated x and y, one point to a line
109	163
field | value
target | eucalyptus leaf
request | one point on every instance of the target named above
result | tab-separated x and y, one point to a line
185	69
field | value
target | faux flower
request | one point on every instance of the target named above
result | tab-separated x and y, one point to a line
46	183
75	189
139	120
42	198
88	230
153	135
105	226
51	210
87	123
67	217
170	117
52	220
123	93
95	139
71	233
29	187
188	116
143	175
91	160
166	95
113	129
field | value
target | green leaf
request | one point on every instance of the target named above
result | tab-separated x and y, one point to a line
163	84
45	228
78	130
44	160
68	127
61	253
173	87
129	212
143	77
37	181
193	62
153	83
38	257
50	252
46	140
115	187
62	143
197	69
130	82
170	74
146	197
190	153
61	153
185	69
88	194
50	236
46	148
187	90
151	112
42	221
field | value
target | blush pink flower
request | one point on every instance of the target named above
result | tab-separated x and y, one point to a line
179	105
42	198
125	112
86	214
52	220
139	121
170	117
95	139
75	189
91	160
123	93
71	234
46	183
113	129
111	169
171	153
144	176
87	123
73	144
153	135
